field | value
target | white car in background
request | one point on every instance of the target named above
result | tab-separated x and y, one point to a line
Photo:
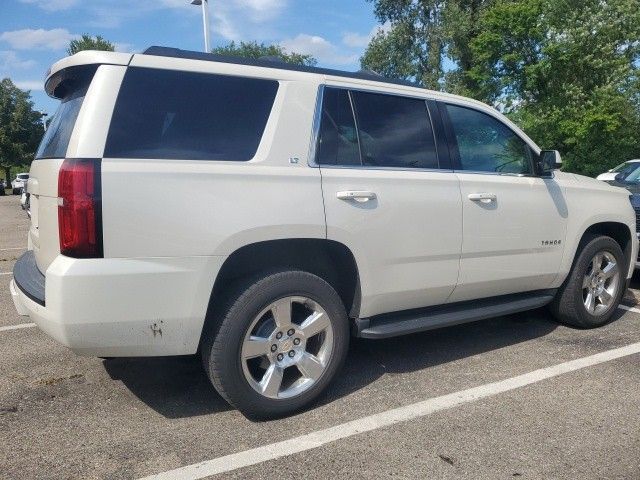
626	168
18	184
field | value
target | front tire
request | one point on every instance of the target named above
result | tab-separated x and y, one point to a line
276	344
592	291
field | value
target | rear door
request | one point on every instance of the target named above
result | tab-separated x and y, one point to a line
514	221
389	197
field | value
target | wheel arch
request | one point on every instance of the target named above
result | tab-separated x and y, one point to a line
619	231
330	260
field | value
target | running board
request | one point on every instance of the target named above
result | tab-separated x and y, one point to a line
419	320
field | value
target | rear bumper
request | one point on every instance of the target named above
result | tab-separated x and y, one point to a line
28	278
120	307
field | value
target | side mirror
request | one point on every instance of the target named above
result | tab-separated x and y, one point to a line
549	161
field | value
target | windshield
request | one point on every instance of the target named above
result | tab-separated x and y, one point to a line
634	175
626	167
23	176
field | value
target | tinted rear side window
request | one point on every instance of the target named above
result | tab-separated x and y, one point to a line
394	131
183	115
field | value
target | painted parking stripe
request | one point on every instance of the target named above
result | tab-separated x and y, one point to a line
12	248
319	438
17	327
629	309
6	273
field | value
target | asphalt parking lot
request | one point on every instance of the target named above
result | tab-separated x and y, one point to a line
547	402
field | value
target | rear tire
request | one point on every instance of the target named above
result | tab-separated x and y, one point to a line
276	343
592	291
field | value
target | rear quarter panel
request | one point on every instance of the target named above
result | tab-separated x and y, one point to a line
168	208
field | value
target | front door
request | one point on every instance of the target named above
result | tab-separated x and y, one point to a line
514	222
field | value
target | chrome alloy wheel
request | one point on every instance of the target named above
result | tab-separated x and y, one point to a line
600	283
287	347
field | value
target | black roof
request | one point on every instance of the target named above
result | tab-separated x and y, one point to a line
270	63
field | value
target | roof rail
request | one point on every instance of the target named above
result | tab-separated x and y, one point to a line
271	62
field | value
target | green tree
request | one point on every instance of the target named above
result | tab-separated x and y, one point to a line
258	50
20	127
567	72
87	42
428	41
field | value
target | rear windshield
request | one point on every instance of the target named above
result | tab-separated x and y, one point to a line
22	176
56	139
193	116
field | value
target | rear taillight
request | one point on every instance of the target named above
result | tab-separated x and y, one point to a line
79	208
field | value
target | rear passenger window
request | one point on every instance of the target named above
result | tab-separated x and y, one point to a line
394	131
169	114
338	142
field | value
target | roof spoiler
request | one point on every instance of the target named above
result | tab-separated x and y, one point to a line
56	74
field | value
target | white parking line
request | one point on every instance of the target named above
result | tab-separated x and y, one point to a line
17	327
6	273
629	309
12	248
319	438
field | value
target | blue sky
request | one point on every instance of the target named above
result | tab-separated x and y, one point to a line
35	33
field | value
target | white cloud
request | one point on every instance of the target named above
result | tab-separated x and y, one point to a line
356	40
258	10
28	39
52	5
223	26
30	84
9	61
123	47
230	19
261	10
323	50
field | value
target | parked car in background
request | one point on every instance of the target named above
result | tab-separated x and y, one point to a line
310	205
19	182
624	168
3	186
631	181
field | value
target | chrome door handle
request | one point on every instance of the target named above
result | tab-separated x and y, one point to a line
482	197
358	196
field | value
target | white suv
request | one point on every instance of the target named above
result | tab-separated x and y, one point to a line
278	210
18	183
